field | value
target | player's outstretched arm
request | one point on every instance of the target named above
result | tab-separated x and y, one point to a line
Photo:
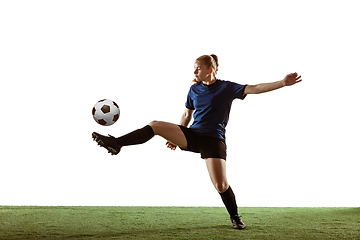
288	80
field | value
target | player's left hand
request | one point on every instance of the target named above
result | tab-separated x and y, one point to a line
171	146
292	79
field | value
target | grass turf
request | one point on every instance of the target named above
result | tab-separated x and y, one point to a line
37	222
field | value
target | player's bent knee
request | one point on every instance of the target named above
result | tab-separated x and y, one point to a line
156	126
221	187
153	123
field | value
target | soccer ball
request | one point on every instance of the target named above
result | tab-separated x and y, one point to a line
106	112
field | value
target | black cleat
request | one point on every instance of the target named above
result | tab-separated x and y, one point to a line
237	223
107	142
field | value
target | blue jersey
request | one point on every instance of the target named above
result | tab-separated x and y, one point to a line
212	106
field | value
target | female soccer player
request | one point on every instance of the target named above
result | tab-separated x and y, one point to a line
208	102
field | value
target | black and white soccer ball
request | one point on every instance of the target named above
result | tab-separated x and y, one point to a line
106	112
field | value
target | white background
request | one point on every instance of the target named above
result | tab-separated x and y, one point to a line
297	146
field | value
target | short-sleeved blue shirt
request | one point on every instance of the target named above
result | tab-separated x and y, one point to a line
212	106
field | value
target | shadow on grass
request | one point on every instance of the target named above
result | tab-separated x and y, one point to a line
196	232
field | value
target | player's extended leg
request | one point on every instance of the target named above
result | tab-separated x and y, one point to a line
169	131
217	171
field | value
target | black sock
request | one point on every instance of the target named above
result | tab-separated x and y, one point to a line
139	136
228	198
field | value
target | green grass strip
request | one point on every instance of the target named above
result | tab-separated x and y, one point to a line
40	222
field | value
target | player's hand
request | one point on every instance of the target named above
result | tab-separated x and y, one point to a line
171	146
291	79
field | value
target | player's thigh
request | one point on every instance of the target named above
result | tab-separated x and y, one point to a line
170	132
217	171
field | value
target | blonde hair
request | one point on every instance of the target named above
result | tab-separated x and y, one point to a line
209	61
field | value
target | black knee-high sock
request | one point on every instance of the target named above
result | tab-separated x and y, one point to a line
139	136
229	200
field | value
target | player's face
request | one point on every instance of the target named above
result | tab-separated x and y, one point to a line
202	72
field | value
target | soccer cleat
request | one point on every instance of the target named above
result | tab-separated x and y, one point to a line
107	142
237	223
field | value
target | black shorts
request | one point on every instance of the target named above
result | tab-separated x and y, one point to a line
208	147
